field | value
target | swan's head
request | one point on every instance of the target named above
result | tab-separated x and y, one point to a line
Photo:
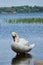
15	36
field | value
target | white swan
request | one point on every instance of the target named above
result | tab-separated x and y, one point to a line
20	45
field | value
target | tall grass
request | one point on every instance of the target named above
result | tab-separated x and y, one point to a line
25	20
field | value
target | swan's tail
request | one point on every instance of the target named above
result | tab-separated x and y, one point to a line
31	47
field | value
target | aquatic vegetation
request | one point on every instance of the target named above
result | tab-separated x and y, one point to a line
25	20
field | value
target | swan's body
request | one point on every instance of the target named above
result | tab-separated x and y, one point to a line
20	45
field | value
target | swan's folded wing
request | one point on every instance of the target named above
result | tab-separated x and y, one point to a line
24	42
25	48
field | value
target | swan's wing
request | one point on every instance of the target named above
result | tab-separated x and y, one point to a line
25	48
26	43
23	42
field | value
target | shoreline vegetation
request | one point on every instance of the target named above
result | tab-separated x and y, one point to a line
21	9
25	20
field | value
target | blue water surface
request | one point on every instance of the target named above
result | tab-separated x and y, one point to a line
32	32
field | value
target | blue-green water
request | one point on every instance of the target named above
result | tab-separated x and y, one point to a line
22	15
32	32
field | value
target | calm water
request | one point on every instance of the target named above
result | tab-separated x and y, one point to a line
21	15
4	17
32	32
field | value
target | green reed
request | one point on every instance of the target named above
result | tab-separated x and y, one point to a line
25	20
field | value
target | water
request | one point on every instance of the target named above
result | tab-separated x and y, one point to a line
32	32
21	15
4	17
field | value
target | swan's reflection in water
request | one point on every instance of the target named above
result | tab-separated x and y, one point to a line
23	59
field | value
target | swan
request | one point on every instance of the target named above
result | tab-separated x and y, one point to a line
20	45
